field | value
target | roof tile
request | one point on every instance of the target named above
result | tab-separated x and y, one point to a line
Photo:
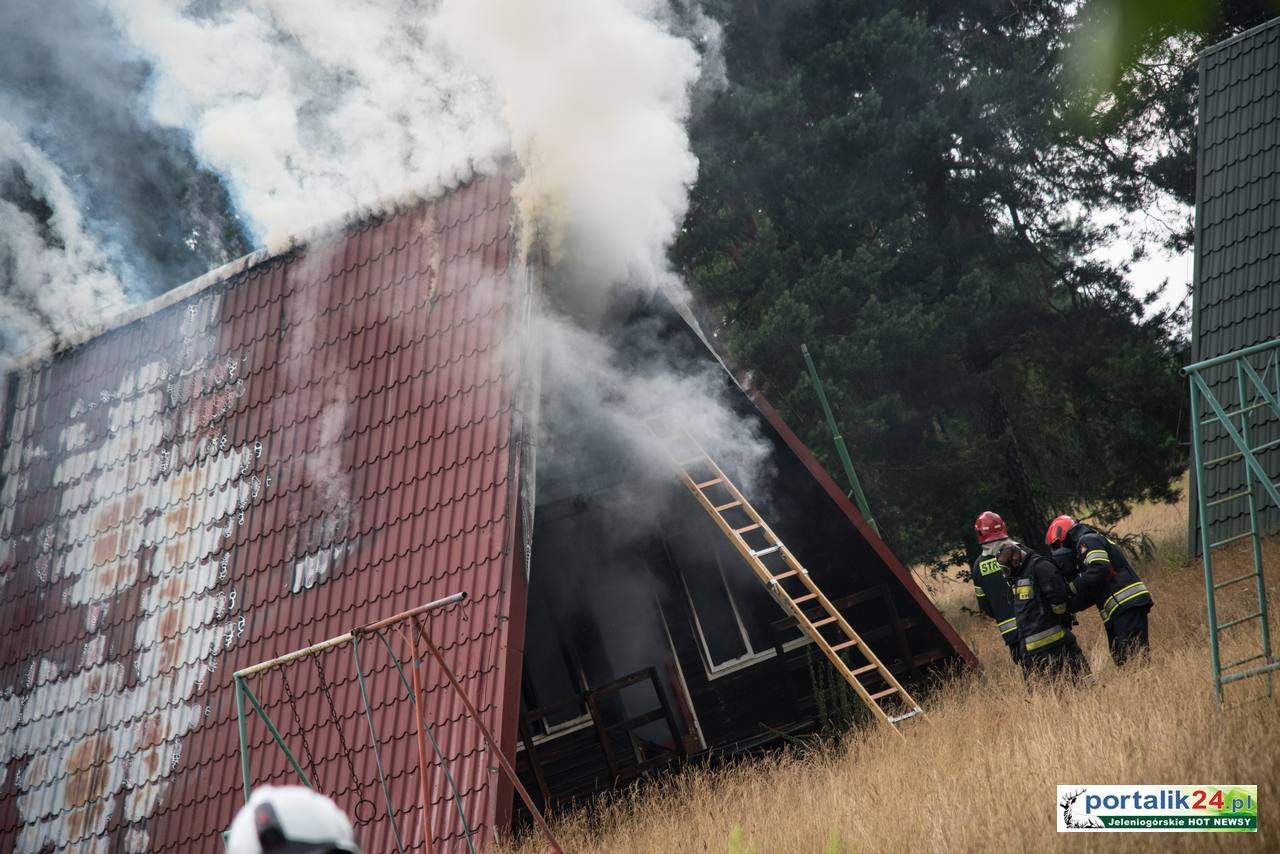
324	437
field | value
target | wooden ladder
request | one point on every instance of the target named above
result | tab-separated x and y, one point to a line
735	516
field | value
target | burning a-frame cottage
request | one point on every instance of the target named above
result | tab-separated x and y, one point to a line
303	443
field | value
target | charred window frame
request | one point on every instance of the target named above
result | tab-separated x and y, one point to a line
556	676
732	614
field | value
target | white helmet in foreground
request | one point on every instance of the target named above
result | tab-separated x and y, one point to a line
290	820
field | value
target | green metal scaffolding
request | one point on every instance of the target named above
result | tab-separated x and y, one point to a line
842	451
1256	402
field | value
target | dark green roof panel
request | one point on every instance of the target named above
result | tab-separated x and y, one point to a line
1237	282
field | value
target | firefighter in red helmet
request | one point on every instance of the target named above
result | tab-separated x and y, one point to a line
1106	579
990	585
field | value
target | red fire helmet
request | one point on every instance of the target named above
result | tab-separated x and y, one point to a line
989	526
1058	530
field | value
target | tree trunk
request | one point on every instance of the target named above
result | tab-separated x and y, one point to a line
1028	513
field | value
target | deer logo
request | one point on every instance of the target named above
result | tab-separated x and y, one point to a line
1068	814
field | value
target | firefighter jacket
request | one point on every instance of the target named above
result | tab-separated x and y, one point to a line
1040	596
992	591
1066	563
1106	579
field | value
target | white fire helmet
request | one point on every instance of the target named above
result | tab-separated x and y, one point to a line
290	820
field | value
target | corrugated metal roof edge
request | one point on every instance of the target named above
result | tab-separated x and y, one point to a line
1252	31
53	345
1197	271
824	479
524	270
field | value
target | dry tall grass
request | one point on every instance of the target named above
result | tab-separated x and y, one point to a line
982	775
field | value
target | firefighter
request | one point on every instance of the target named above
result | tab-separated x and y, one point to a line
1040	603
989	584
1106	579
290	820
1066	564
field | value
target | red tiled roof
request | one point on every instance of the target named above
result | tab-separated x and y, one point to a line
309	443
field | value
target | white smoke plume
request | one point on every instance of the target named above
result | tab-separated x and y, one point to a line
315	110
596	95
607	398
54	276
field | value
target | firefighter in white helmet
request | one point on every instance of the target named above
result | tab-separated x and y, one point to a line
290	820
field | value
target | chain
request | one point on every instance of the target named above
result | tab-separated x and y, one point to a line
337	724
293	706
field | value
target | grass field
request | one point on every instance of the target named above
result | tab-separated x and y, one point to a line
982	775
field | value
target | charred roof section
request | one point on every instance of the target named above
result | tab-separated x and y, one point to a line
283	453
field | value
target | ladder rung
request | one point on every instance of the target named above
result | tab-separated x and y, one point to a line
893	719
1239	621
1229	540
1243	661
1231	581
773	583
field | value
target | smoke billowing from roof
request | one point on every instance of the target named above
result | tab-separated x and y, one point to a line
99	205
595	94
314	110
53	274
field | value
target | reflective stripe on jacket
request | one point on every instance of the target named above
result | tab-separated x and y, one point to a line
991	589
1106	576
1124	595
1040	640
1040	597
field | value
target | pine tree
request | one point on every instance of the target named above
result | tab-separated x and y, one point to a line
903	187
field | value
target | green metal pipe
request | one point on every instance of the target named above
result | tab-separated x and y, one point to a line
275	733
1249	459
444	763
1257	671
841	450
1271	399
1265	628
244	739
1206	547
377	745
1235	354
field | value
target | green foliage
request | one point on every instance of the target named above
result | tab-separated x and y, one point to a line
839	708
737	845
900	186
834	843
